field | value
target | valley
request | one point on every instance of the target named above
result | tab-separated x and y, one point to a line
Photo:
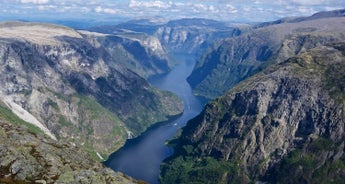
190	100
150	149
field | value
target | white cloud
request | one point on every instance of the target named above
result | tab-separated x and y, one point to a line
46	7
204	8
150	4
230	8
305	10
309	2
35	1
99	9
199	7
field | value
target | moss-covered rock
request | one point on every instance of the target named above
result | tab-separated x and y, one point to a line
27	157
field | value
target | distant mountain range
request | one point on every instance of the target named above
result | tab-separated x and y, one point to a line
191	36
277	114
231	60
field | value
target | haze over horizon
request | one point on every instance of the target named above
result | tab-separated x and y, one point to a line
122	10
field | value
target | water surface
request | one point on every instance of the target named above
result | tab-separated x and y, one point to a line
141	157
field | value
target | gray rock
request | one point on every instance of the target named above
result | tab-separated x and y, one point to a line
76	90
39	160
284	124
231	60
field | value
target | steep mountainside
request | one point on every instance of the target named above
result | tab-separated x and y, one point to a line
56	78
283	125
193	36
28	157
138	52
231	60
190	36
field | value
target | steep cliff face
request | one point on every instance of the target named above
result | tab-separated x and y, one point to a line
232	60
284	124
27	157
193	36
187	36
62	82
139	52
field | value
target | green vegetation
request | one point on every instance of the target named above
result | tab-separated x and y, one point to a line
313	159
64	122
7	115
53	104
97	127
306	166
95	110
91	151
162	104
335	81
26	92
91	111
201	170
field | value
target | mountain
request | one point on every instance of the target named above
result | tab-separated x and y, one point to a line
141	25
139	52
189	36
284	124
74	90
231	60
193	36
29	157
318	15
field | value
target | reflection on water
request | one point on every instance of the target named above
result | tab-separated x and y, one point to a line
141	157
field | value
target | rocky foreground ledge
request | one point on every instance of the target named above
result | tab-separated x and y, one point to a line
26	157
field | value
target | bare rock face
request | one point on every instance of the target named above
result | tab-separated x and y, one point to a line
193	36
27	157
142	53
284	124
232	60
65	83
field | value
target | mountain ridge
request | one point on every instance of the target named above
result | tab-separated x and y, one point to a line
77	90
189	35
276	122
231	60
318	15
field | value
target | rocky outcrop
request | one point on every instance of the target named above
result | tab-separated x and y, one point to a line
232	60
282	125
76	89
138	52
27	157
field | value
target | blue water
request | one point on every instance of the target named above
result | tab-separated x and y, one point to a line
141	157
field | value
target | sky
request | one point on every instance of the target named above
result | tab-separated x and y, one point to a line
122	10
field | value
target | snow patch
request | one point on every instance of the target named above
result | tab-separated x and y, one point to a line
129	134
92	33
26	116
99	156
